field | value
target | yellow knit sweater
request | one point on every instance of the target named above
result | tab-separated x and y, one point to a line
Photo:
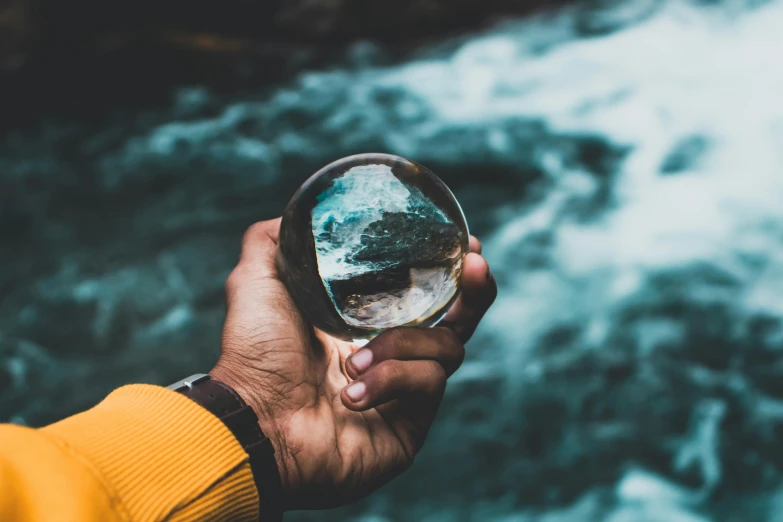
145	453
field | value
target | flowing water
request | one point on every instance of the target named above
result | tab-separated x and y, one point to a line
623	165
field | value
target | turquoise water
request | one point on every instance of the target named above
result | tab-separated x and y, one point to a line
626	183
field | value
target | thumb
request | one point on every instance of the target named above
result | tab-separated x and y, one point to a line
257	259
258	303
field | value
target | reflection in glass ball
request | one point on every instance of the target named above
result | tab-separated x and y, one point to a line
371	242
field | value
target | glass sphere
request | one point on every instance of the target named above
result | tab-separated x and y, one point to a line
371	242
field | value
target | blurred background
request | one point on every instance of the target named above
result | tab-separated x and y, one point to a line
622	162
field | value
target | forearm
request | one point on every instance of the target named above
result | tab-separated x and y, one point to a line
143	454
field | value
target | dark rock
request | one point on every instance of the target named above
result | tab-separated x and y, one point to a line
426	242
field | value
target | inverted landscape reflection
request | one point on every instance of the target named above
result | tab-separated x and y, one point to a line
626	184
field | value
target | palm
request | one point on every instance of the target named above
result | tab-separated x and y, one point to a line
334	442
332	449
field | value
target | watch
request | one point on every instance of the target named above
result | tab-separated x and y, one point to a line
228	406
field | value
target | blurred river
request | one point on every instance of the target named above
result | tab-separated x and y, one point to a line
624	169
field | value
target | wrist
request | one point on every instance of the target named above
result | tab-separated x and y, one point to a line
267	421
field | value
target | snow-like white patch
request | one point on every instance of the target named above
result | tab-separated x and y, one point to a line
355	200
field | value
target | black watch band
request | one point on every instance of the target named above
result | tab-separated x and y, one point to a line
228	406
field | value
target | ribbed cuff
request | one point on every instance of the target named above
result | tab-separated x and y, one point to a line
162	456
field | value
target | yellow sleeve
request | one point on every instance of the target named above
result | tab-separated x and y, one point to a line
145	453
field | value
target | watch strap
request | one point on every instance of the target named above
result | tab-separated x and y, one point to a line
223	402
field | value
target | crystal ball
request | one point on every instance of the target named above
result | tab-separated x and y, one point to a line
371	242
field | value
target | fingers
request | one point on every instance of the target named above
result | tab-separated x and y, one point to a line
479	291
253	290
402	373
394	379
258	239
409	344
401	363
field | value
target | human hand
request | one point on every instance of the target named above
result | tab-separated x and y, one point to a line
343	420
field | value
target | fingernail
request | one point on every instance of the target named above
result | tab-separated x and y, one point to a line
356	391
362	359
